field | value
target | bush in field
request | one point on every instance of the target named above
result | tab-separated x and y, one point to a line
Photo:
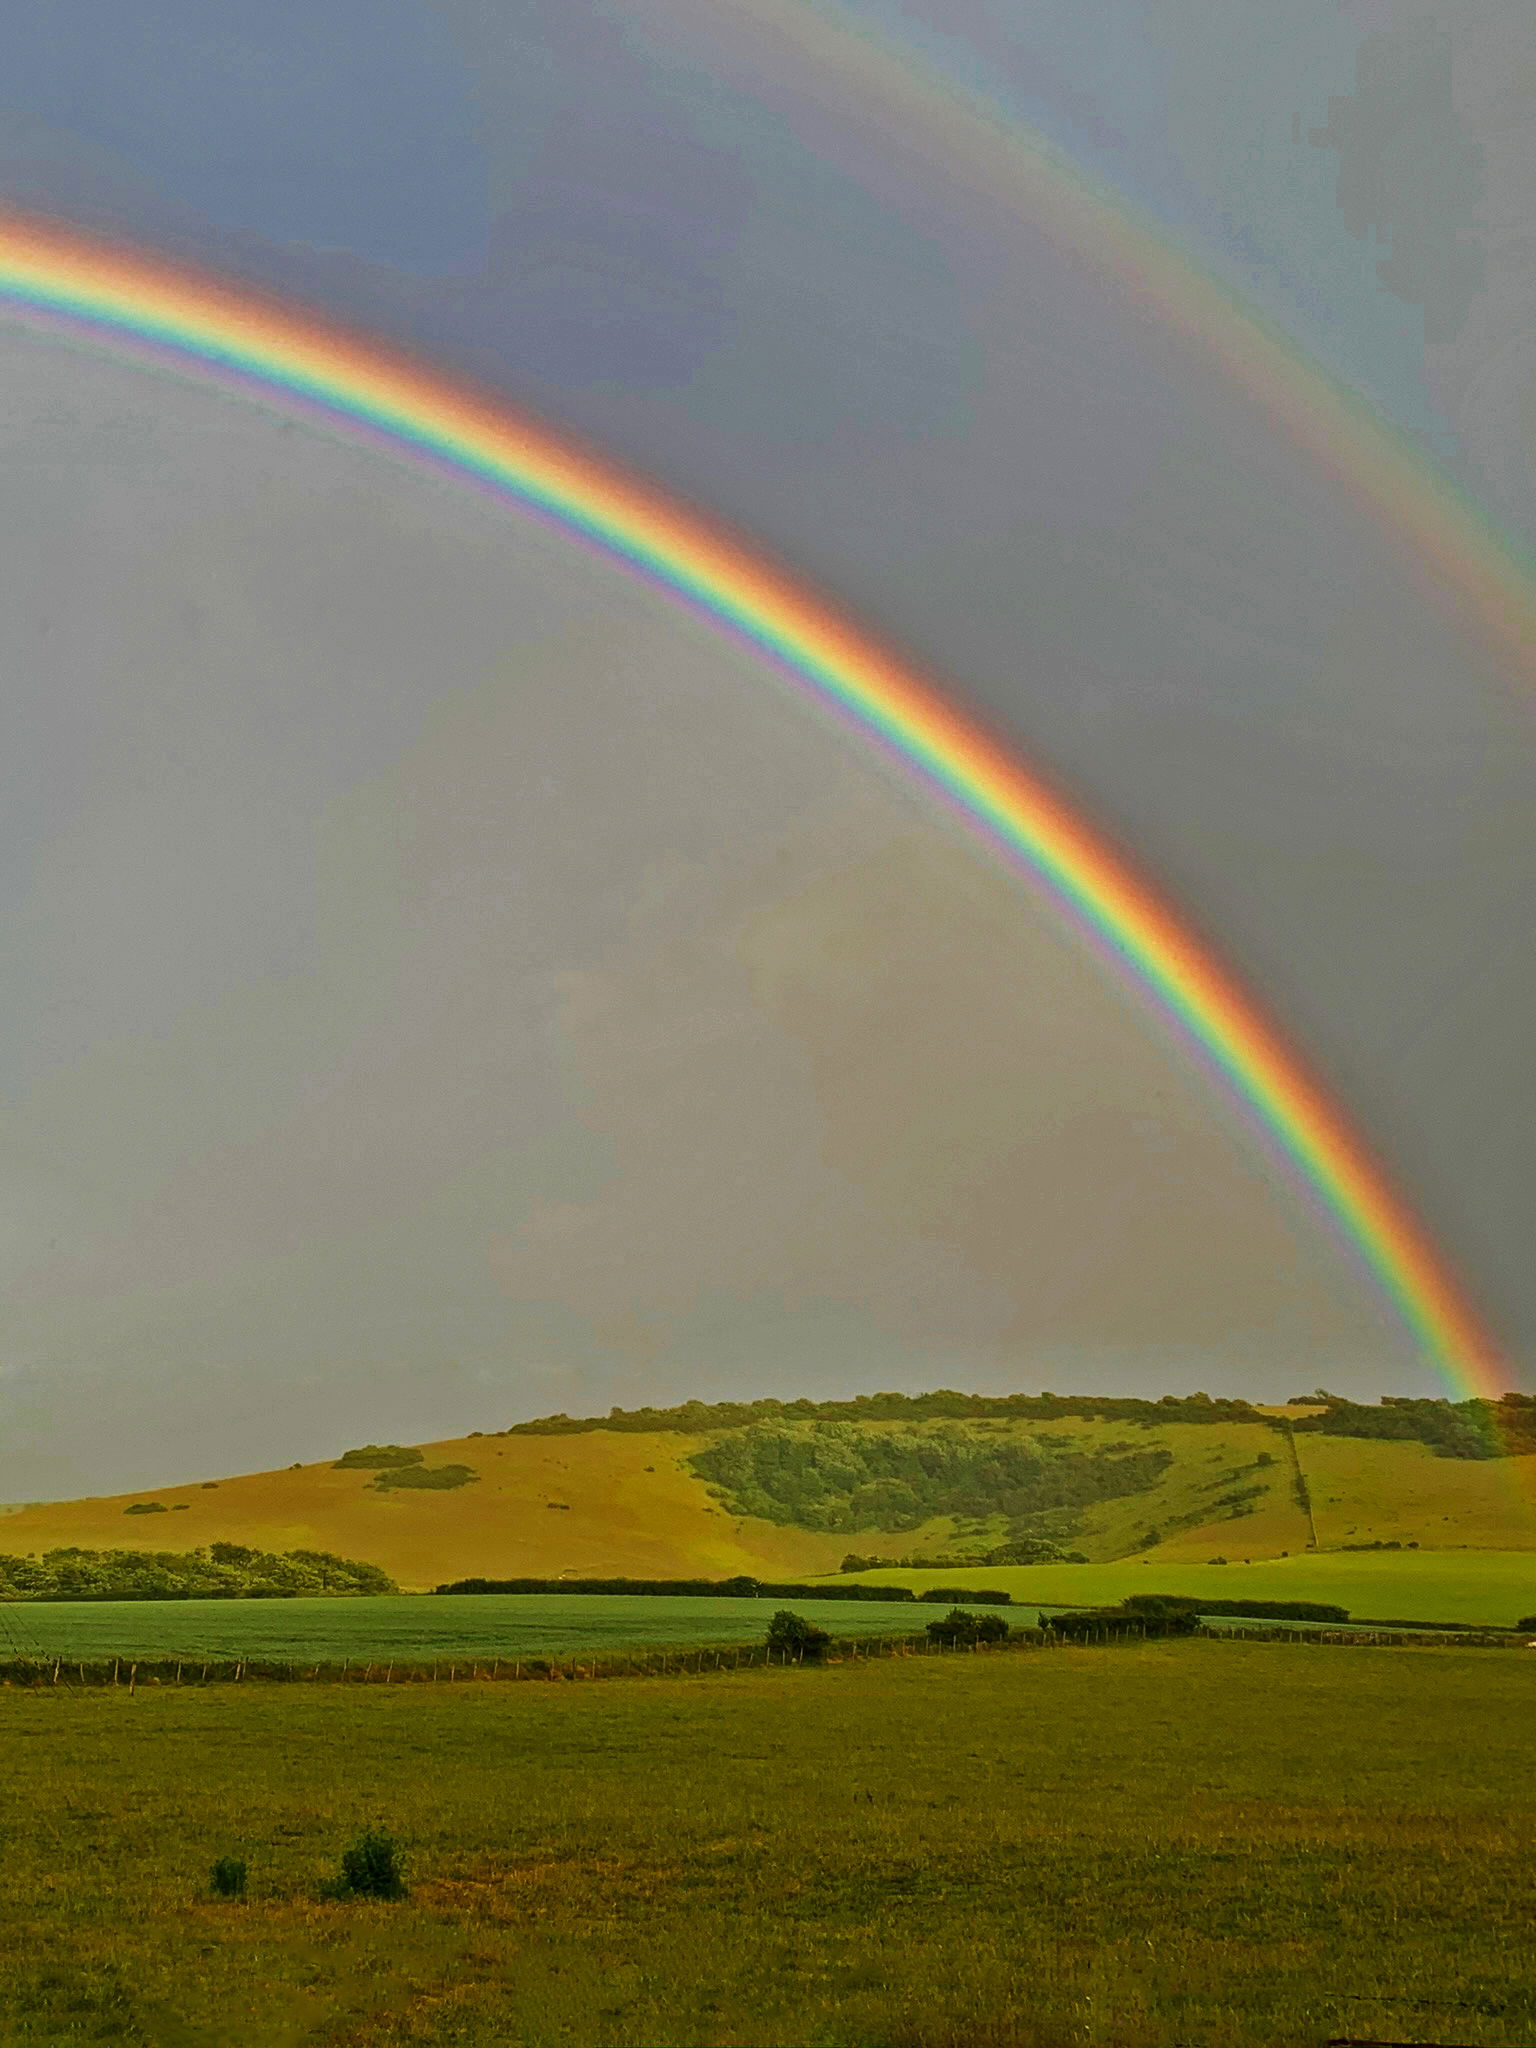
960	1629
370	1869
793	1636
1527	1625
228	1878
1151	1615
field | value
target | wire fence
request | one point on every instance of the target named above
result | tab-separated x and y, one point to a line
32	1671
694	1662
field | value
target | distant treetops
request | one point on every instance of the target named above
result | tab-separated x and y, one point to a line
1453	1429
224	1571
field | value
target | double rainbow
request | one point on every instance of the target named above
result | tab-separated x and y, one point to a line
166	313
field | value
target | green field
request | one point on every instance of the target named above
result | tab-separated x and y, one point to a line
425	1626
1182	1845
1489	1586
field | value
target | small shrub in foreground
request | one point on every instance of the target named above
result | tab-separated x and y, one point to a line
227	1880
793	1636
960	1629
370	1869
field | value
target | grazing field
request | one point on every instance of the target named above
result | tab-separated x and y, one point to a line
1491	1587
420	1626
1183	1845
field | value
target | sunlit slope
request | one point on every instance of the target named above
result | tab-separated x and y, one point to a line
590	1505
1366	1492
1359	1491
608	1502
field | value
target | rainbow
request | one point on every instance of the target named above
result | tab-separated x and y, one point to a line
950	135
163	313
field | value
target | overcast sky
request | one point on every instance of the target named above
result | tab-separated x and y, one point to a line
447	984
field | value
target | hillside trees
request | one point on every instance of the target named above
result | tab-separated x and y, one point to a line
224	1571
844	1476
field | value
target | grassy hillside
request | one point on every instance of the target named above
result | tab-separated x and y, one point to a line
590	1505
602	1501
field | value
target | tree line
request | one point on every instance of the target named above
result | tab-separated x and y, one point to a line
224	1571
739	1588
1454	1429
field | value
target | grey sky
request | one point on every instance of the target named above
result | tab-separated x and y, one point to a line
448	983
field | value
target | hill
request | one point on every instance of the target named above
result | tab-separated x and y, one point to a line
789	1490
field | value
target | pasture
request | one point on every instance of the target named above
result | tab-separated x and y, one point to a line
1490	1587
423	1626
1195	1843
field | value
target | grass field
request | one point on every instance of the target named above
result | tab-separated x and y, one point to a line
417	1626
1419	1585
1184	1845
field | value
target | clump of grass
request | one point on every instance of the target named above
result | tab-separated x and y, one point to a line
228	1878
370	1869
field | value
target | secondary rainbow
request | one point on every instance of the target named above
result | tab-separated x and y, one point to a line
57	277
849	85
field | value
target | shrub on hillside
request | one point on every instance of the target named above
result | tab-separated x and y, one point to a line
147	1507
791	1635
1032	1550
377	1457
441	1477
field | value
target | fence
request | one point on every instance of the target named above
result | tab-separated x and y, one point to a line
700	1662
1371	1638
130	1673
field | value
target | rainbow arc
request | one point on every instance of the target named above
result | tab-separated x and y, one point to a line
286	356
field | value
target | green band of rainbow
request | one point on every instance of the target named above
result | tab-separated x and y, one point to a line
58	277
